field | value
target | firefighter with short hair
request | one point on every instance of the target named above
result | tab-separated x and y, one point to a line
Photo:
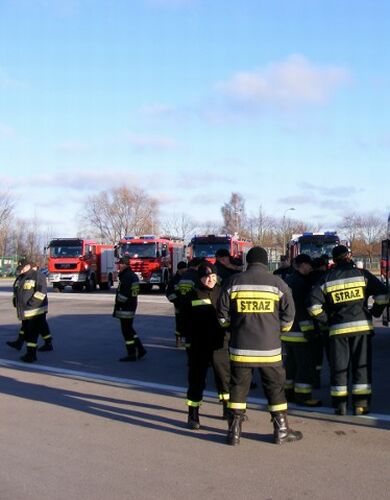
208	343
30	298
339	301
126	301
257	306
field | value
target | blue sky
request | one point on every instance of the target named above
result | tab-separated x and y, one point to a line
285	102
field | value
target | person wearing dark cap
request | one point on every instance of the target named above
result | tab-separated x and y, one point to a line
340	302
257	306
171	295
126	301
299	354
284	268
208	343
30	300
224	265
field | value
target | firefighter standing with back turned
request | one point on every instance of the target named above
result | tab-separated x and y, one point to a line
257	306
126	301
339	301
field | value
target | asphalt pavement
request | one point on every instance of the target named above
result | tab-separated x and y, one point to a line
79	424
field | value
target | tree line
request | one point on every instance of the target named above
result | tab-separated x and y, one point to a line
111	214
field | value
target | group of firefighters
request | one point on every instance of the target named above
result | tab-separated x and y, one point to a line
237	320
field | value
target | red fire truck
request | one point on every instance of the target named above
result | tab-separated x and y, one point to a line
205	246
153	258
385	270
80	263
313	244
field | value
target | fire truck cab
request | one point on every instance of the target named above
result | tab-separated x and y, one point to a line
313	244
153	258
204	247
80	263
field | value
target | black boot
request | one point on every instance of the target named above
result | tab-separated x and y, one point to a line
141	351
16	344
282	432
47	346
30	355
235	425
341	408
193	417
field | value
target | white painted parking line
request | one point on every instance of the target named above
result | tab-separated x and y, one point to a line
96	297
170	389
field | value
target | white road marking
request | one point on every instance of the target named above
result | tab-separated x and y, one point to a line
170	389
95	297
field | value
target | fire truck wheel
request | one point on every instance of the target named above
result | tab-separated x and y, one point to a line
58	288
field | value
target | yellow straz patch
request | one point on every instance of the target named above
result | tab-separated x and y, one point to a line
347	295
255	306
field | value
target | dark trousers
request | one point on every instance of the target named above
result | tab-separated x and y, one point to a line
350	354
299	363
41	324
199	359
273	380
129	334
32	328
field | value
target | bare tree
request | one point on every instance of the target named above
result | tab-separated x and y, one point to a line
181	226
372	230
350	226
233	213
121	211
260	228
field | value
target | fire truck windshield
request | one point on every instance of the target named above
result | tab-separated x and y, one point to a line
66	251
203	250
317	249
135	250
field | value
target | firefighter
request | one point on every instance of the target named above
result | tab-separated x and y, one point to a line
257	306
171	294
339	301
224	266
208	343
284	268
44	330
298	342
320	343
30	300
187	283
126	301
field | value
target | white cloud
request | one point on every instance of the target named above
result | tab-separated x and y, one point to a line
294	81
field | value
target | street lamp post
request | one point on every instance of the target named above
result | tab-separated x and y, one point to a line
284	228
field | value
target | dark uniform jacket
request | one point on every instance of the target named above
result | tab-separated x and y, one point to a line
188	282
171	291
303	325
256	306
126	299
340	300
224	273
201	321
30	294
